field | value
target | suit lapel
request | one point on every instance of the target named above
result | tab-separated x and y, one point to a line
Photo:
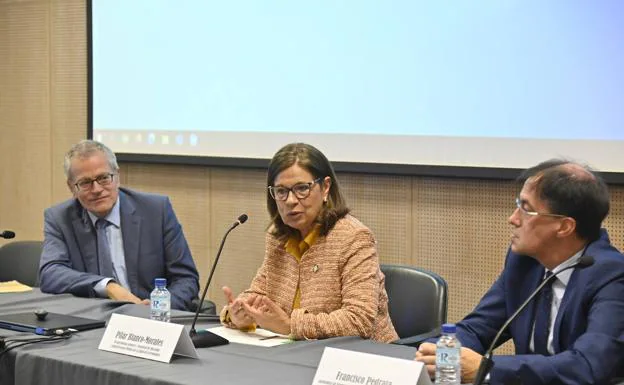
526	318
85	237
570	292
130	229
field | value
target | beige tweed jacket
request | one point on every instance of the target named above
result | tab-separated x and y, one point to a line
342	287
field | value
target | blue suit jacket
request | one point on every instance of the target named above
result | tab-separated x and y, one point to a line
588	335
153	242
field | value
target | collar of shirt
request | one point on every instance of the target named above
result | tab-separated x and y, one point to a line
296	247
564	276
113	217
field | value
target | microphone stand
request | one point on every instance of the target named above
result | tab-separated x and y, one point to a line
204	338
486	361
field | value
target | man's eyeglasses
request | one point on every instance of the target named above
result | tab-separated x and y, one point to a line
300	190
87	184
520	204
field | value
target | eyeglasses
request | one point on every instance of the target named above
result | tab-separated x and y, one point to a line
300	190
87	184
520	205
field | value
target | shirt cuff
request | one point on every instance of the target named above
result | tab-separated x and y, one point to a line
100	287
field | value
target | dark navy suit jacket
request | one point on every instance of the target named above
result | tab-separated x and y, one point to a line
153	242
588	335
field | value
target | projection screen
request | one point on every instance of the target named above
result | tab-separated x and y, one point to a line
411	85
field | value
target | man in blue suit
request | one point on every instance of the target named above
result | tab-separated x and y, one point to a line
580	338
112	242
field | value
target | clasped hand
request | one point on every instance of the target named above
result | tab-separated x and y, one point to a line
470	361
257	309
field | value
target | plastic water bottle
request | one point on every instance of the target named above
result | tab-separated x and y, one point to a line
160	301
448	357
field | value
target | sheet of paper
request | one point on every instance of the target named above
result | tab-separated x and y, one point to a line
13	287
260	337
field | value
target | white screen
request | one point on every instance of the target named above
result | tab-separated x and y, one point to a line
480	84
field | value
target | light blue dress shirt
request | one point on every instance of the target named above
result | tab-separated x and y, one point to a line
115	243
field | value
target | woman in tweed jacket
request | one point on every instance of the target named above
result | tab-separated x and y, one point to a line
320	277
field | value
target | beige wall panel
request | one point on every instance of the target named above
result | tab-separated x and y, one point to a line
24	116
235	192
124	169
68	77
370	195
189	191
615	219
460	232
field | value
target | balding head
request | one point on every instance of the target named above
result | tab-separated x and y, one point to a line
571	189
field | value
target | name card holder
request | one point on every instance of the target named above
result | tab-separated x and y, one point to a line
145	338
345	367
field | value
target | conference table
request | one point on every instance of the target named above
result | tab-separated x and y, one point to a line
78	360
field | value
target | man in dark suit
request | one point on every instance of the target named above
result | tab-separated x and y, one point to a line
112	242
573	333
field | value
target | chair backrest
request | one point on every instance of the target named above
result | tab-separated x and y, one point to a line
417	299
19	260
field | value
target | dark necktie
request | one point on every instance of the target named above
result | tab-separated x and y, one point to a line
542	318
105	261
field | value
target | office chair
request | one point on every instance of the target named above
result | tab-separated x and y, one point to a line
19	260
207	307
417	301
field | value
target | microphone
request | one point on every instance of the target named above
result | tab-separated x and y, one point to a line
204	338
8	234
486	360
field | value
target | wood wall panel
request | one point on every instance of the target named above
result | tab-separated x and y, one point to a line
390	195
235	192
188	189
24	115
615	220
68	93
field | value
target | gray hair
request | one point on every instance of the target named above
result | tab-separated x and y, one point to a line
86	148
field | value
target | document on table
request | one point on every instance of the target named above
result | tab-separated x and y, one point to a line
13	287
259	337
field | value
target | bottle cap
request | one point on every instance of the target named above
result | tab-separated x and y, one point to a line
160	282
449	328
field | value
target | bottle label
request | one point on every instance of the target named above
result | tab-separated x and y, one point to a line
160	305
447	356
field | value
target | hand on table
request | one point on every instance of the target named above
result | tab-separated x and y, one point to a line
470	361
119	293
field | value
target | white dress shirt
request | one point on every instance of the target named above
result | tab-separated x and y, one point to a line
558	287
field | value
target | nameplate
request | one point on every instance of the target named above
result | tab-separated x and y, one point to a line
145	338
344	367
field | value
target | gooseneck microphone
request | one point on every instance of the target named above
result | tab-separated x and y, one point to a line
7	234
204	338
486	360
